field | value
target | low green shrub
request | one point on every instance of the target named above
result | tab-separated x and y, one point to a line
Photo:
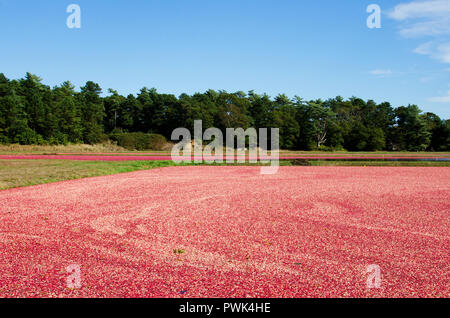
139	141
300	162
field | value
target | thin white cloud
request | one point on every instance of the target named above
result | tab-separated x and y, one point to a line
436	27
426	79
438	51
381	72
424	49
443	52
422	18
426	18
421	9
440	99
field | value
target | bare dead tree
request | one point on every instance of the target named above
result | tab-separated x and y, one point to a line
322	134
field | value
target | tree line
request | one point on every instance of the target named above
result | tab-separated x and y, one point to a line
34	113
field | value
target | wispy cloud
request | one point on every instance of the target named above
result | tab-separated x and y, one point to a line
381	72
423	18
438	51
430	20
425	48
426	79
440	99
418	9
426	18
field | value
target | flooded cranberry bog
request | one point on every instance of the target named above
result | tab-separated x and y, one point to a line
230	232
406	157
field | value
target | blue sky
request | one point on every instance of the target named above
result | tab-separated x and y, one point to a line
314	49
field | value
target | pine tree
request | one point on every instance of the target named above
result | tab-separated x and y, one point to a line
92	112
